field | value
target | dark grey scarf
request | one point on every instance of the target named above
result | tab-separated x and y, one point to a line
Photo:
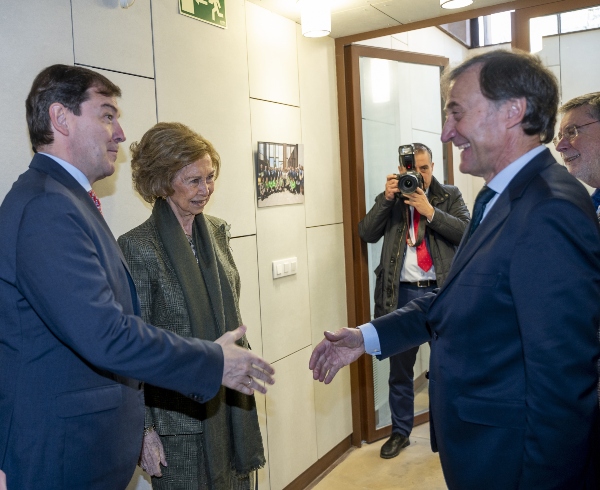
232	439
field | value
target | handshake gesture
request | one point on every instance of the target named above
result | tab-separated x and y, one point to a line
336	350
243	369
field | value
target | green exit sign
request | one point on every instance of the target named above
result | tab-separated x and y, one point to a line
211	11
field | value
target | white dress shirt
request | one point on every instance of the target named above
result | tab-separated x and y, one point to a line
74	171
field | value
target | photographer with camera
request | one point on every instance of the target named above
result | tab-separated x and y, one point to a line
421	222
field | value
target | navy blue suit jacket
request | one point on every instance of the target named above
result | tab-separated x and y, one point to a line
72	346
514	340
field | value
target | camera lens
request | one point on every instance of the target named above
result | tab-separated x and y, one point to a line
408	183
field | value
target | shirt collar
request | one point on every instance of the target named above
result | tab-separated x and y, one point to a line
503	178
77	174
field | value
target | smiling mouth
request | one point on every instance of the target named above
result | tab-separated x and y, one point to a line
570	159
199	203
464	146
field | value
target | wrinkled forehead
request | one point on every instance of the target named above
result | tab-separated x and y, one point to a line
577	116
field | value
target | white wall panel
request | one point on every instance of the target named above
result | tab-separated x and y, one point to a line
122	207
33	35
320	130
285	307
272	56
550	53
327	284
333	409
245	256
580	63
264	478
426	97
327	279
202	81
291	415
432	40
281	233
110	37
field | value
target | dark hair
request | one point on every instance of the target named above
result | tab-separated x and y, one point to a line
505	75
67	85
592	100
421	148
162	152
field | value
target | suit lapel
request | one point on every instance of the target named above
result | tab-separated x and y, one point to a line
48	166
498	213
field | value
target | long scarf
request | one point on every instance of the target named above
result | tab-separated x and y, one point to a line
232	439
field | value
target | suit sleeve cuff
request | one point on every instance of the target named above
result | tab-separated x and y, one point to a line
371	339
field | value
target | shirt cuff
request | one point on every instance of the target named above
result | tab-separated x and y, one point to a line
430	220
371	339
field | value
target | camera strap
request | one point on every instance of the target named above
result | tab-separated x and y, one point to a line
420	230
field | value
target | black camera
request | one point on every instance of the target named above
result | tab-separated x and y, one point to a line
411	180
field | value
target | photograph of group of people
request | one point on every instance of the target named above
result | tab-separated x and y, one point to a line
279	174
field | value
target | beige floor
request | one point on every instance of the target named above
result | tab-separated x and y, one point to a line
415	468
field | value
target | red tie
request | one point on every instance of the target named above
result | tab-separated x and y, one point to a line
96	200
423	257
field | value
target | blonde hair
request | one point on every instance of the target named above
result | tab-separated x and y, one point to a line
164	150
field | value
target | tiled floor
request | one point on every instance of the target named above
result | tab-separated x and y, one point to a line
415	468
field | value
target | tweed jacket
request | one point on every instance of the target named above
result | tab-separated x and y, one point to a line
163	305
387	219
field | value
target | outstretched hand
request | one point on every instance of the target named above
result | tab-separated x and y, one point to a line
336	350
243	369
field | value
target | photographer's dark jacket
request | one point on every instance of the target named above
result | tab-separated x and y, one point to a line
443	234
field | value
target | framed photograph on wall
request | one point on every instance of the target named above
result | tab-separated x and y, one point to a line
279	174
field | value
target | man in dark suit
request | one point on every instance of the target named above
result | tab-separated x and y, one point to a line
513	329
71	343
578	140
411	266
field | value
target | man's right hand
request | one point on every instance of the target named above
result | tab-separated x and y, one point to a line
391	187
336	350
243	368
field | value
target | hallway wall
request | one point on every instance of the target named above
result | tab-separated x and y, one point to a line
257	80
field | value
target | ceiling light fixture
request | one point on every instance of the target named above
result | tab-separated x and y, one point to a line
455	4
315	16
125	4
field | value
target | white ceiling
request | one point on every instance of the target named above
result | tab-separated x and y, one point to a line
350	17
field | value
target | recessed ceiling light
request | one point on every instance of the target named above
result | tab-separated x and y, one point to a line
455	4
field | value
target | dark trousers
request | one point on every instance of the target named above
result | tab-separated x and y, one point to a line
402	395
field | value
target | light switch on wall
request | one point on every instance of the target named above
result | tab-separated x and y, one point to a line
285	267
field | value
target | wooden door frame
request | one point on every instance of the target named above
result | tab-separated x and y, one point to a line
353	197
357	293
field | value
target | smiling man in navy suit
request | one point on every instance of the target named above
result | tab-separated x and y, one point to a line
72	346
513	329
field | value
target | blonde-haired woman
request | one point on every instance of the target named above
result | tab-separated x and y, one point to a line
188	283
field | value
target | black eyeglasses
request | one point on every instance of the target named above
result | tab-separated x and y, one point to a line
571	132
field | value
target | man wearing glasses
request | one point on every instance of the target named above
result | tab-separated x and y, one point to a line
578	140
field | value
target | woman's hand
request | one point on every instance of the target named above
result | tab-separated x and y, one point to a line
153	454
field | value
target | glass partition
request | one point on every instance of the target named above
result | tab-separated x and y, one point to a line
400	104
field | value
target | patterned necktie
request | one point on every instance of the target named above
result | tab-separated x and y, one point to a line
484	196
96	200
423	258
